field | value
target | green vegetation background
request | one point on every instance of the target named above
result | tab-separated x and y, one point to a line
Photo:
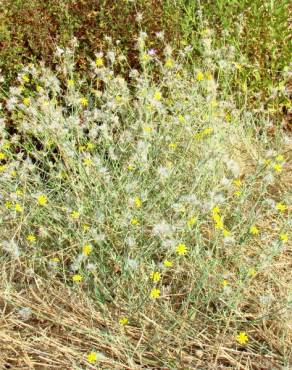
259	30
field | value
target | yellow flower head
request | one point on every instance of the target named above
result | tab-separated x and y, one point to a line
252	272
25	78
191	221
138	202
200	76
77	278
84	102
8	205
226	233
86	228
284	237
42	200
135	221
123	321
155	276
277	167
18	208
208	75
172	146
26	101
87	249
169	63
225	282
87	162
155	293
99	62
281	207
157	95
31	238
92	357
70	83
242	337
167	263
2	156
131	167
75	215
280	158
216	210
90	146
254	230
181	249
237	182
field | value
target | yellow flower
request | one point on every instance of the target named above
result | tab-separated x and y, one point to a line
83	102
280	158
131	167
172	146
85	228
147	129
284	237
7	204
55	259
157	95
167	263
225	282
155	276
191	221
254	230
2	156
181	249
92	357
208	75
135	221
242	338
123	321
169	63
138	202
77	278
237	193
25	78
99	62
155	293
18	208
31	238
87	162
70	83
207	131
237	182
42	200
277	167
216	210
87	248
90	146
252	272
200	76
13	173
26	101
281	207
146	57
181	118
75	215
